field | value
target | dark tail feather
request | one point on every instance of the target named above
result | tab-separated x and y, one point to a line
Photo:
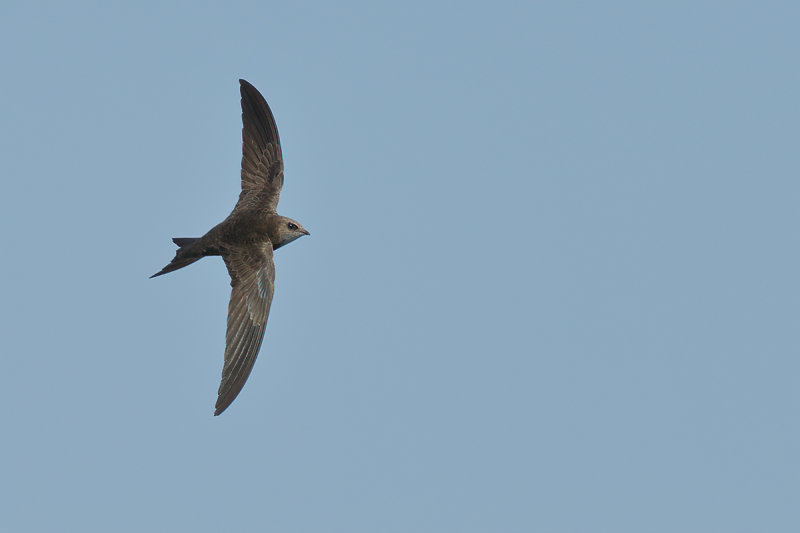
183	241
183	257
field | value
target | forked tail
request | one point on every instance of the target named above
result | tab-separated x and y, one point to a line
185	255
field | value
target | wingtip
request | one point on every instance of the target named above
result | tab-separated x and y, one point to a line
223	402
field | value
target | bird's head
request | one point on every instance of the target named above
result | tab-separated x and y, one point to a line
285	230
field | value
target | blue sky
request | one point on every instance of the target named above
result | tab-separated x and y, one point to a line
552	282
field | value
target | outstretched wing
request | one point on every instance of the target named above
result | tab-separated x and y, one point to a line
253	281
262	161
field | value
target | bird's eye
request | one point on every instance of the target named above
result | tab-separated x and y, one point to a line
292	226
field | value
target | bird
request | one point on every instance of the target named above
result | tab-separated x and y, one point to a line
246	240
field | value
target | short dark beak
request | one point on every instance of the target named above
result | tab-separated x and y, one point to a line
306	232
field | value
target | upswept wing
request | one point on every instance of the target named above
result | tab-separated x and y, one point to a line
252	272
262	161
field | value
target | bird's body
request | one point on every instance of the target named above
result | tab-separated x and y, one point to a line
246	240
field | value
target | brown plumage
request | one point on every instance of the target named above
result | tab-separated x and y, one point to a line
246	240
